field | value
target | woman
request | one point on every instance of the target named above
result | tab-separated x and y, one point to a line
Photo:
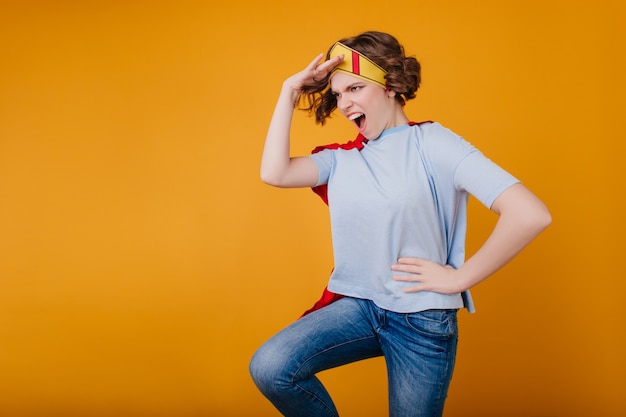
397	201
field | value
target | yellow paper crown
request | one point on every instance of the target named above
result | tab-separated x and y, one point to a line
357	64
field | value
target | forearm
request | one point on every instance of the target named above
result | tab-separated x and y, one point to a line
278	168
505	242
276	152
522	218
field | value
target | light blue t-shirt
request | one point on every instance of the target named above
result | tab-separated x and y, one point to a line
404	194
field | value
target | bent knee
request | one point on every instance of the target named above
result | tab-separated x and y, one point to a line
257	367
268	368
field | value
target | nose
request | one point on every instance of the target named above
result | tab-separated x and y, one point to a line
344	103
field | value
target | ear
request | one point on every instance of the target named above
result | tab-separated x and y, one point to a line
390	93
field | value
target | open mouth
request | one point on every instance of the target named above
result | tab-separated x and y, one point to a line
358	119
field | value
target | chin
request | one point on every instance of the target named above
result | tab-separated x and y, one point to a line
371	135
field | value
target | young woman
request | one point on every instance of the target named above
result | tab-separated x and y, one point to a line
397	200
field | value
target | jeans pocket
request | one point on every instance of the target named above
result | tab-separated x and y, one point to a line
434	324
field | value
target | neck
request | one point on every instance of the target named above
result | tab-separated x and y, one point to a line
399	118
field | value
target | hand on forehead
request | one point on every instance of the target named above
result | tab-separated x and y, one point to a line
358	65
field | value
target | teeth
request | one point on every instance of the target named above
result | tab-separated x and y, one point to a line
355	116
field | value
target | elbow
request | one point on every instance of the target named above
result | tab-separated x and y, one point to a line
545	219
272	174
522	207
539	220
529	221
267	179
270	178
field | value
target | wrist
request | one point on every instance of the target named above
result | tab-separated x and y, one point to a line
290	93
462	279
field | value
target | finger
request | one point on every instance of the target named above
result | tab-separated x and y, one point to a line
411	268
330	64
411	261
407	278
407	272
416	288
314	63
323	69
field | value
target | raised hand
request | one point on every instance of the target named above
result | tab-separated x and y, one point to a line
314	72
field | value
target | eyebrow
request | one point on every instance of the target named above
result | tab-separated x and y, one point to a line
349	86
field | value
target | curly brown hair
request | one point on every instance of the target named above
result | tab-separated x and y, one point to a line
403	73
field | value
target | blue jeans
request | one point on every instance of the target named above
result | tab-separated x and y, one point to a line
419	350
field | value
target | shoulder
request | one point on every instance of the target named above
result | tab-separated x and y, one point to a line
439	141
433	131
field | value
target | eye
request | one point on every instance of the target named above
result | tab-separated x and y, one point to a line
356	87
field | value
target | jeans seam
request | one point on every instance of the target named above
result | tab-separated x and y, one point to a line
325	351
312	395
296	384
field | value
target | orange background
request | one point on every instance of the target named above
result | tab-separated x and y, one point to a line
142	261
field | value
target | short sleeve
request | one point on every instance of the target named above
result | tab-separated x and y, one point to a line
324	160
457	163
482	178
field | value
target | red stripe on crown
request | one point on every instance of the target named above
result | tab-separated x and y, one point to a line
355	63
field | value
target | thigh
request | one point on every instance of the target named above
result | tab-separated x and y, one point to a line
420	351
335	335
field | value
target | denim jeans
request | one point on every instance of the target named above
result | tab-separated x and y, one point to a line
419	350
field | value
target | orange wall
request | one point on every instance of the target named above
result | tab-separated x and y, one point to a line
142	261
